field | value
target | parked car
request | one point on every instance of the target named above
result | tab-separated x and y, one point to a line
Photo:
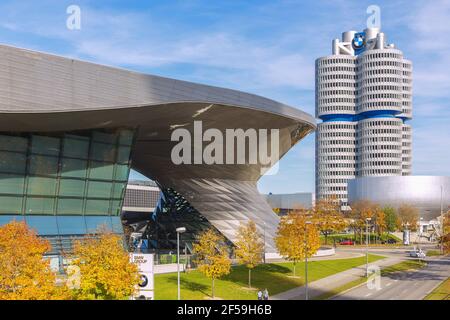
417	254
346	242
389	241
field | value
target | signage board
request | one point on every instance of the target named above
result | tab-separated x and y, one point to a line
145	263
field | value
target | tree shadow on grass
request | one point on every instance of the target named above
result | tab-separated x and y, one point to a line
270	267
190	285
274	277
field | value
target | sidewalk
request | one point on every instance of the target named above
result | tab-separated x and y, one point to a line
323	285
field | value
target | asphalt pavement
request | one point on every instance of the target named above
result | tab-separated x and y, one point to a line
410	285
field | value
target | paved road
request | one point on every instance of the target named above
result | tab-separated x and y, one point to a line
318	287
414	285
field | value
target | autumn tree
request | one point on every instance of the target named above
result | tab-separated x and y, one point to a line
212	256
249	247
408	217
25	274
327	217
106	272
390	219
361	211
296	239
379	220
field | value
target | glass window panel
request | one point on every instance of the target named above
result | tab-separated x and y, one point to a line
116	225
45	145
101	170
43	165
40	205
73	168
99	189
11	183
68	225
5	219
71	188
13	143
97	207
70	206
126	137
10	205
121	172
123	154
44	225
41	186
95	224
104	137
103	152
118	190
116	207
76	148
12	162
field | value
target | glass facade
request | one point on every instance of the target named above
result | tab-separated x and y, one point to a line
171	212
64	184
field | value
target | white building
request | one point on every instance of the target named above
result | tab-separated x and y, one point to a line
363	97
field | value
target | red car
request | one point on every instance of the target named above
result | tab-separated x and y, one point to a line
346	243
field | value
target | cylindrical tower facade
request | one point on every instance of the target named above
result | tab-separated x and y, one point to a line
364	99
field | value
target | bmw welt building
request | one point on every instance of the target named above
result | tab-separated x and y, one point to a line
71	131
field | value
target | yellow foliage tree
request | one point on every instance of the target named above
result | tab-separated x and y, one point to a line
296	239
327	217
249	247
408	216
25	274
212	256
361	211
379	220
106	272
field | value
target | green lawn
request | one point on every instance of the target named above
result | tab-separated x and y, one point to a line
276	277
432	253
404	266
440	293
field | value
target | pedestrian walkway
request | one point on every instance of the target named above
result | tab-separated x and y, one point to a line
319	287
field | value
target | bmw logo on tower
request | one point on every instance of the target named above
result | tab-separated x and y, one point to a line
358	42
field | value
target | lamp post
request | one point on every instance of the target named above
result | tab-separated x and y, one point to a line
306	259
179	230
367	246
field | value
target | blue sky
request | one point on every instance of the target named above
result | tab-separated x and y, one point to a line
263	47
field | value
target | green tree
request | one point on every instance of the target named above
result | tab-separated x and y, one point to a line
249	247
212	256
297	239
390	219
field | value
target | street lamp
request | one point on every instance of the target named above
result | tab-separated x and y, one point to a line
367	246
179	230
306	259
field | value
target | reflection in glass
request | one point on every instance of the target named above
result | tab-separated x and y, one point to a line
40	205
44	225
68	225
